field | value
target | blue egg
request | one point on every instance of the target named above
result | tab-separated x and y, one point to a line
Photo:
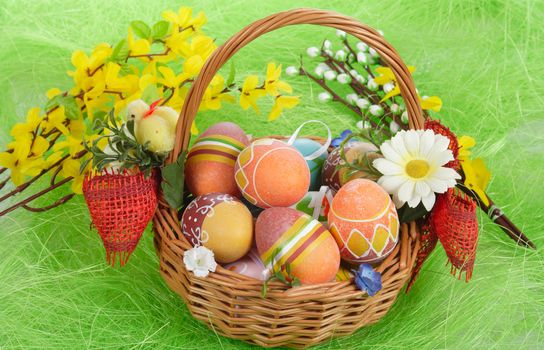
307	147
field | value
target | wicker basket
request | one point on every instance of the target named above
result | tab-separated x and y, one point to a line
230	303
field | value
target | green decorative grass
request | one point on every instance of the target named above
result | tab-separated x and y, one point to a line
484	58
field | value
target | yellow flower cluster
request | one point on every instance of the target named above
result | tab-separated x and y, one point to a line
477	175
151	63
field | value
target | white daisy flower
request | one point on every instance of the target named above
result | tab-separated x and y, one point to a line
413	167
200	261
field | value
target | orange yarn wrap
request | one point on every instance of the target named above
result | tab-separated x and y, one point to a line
121	205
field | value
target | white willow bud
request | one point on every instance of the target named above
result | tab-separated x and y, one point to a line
372	52
362	103
364	124
388	87
404	117
324	67
329	53
327	44
380	31
354	72
394	127
324	97
362	58
319	71
340	55
340	33
330	75
351	58
376	110
351	98
343	78
360	78
395	108
291	71
312	51
361	46
372	85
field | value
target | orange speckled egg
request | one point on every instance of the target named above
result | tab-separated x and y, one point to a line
221	223
271	173
285	236
364	222
210	162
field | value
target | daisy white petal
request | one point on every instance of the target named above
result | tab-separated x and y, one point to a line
412	142
440	158
446	174
437	185
389	153
422	188
392	183
441	142
406	191
387	167
397	142
426	142
414	202
428	201
397	201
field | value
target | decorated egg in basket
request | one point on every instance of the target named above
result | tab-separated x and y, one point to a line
250	265
364	222
307	147
271	173
285	236
335	177
221	223
210	162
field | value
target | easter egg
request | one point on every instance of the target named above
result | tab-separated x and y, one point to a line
270	173
364	222
250	265
334	175
221	223
210	162
343	274
307	147
287	237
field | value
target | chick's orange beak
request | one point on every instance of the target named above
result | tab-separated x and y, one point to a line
152	108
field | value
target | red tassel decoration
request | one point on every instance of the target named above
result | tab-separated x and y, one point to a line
428	241
454	220
121	205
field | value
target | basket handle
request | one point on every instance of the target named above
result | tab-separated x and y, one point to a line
282	19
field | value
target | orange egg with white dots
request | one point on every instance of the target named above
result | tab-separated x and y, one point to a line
364	221
271	173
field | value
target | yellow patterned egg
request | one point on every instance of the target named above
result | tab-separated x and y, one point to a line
364	221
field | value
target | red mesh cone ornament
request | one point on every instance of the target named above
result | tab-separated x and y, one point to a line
454	220
440	129
121	205
428	241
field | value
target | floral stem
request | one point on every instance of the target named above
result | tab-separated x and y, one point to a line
50	206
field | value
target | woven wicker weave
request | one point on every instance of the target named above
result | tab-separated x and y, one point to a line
230	303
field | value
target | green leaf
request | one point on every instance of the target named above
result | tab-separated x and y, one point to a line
232	74
150	94
407	214
70	107
141	29
160	29
120	51
172	182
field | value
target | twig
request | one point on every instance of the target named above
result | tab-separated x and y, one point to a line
50	206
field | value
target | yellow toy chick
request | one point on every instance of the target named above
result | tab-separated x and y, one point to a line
154	125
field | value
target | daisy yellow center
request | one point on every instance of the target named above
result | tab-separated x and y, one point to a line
417	168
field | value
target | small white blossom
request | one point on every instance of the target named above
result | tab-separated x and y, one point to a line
319	71
330	75
372	52
351	98
361	46
361	57
312	51
343	78
394	127
362	103
329	53
324	97
351	58
340	33
200	261
376	110
360	78
340	55
364	124
327	44
404	117
387	87
354	72
380	31
395	108
372	85
291	71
